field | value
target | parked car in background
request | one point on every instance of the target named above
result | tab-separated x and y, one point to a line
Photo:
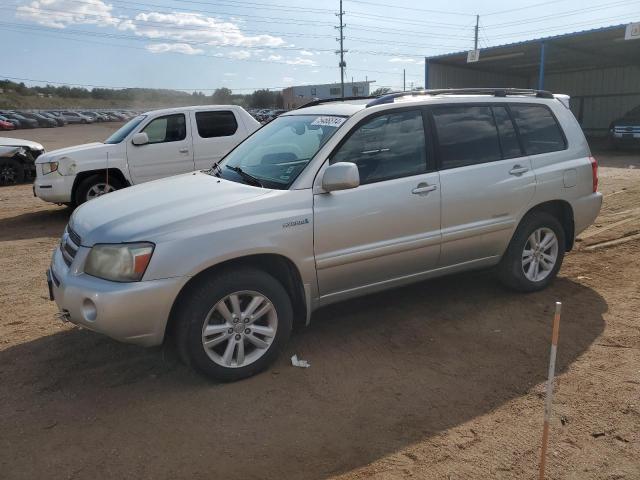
24	121
14	121
59	120
75	117
326	203
625	131
41	119
156	144
17	163
5	124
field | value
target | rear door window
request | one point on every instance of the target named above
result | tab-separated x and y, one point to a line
508	138
539	130
220	123
467	135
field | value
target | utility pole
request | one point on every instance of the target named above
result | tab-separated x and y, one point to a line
342	51
475	45
404	79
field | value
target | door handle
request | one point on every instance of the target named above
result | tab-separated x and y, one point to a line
423	188
518	170
184	150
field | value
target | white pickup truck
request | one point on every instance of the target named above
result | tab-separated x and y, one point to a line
153	145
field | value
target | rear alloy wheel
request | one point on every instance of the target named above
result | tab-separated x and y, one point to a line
11	172
233	324
535	253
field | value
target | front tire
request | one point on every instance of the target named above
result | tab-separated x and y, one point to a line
233	324
95	186
534	255
11	172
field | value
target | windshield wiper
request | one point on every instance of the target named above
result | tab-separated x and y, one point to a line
250	179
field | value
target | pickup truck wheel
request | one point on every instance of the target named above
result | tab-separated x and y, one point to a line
95	186
535	253
233	325
11	172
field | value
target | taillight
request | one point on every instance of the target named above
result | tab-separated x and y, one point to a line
594	173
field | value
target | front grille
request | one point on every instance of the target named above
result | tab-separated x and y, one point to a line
627	129
69	245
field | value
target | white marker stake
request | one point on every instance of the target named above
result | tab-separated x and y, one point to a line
548	400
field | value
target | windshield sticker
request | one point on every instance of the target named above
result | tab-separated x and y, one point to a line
326	121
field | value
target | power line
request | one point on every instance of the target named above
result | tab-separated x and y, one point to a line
412	9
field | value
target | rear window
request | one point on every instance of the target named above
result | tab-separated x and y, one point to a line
216	124
467	135
539	130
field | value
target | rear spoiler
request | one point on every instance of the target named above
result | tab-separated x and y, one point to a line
564	99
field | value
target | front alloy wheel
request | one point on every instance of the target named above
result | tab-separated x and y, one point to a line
232	323
239	329
98	190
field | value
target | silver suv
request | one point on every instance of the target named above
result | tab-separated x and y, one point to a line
328	202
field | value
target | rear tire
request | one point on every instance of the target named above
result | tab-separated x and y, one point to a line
95	186
216	334
534	255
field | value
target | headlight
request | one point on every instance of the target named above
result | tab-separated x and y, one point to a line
125	262
49	167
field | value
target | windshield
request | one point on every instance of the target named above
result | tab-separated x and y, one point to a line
275	155
125	130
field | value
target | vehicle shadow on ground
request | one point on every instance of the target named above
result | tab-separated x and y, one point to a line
42	223
386	371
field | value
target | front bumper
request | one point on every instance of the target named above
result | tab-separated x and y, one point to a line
135	312
54	188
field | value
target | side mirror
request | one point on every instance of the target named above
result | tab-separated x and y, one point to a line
140	139
340	176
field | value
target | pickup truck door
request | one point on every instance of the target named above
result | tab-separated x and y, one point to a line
215	133
168	152
387	230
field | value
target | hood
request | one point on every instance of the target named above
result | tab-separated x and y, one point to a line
153	211
87	151
18	142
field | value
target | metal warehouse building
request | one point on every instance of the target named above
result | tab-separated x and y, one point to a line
599	69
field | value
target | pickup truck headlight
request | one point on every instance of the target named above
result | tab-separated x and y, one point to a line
124	262
49	167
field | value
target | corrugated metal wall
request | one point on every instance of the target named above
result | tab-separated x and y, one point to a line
598	96
445	76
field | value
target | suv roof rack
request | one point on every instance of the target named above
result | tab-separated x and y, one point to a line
496	92
313	103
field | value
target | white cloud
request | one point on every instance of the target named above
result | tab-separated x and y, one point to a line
301	61
61	13
184	48
403	60
288	79
229	74
273	58
306	53
194	27
240	54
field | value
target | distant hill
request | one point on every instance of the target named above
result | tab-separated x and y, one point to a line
17	96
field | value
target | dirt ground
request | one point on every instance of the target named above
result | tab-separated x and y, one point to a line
443	379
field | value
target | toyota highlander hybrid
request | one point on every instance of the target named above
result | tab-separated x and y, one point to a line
325	203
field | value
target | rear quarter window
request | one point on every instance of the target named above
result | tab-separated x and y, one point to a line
538	128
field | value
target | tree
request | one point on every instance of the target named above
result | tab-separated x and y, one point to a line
222	96
380	91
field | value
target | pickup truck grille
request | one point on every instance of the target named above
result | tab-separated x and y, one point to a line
69	245
627	129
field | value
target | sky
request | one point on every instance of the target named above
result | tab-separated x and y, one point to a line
201	45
